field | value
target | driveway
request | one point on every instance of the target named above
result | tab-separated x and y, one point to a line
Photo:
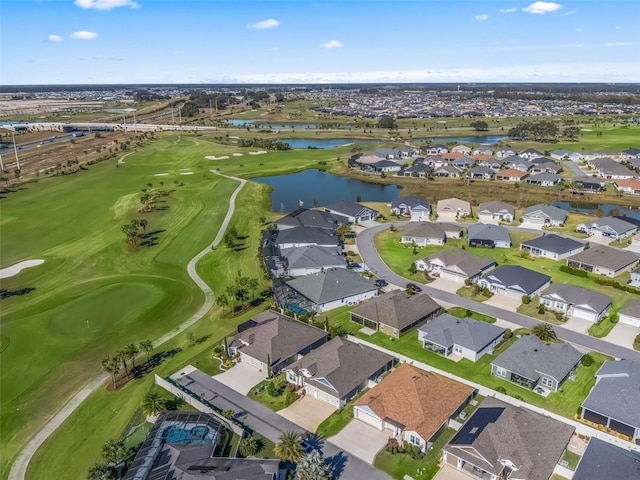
446	285
623	335
241	378
502	301
308	412
449	472
531	226
361	440
579	325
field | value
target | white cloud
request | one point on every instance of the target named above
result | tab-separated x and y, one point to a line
264	24
332	44
105	4
508	10
482	18
620	44
542	7
83	35
618	27
54	38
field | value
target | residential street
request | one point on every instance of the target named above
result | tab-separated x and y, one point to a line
375	264
271	425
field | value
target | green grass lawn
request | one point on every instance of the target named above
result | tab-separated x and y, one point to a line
260	393
335	422
463	313
401	464
572	458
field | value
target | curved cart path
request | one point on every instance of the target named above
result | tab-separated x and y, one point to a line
19	467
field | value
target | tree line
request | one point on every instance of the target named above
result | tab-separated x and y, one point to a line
112	364
263	143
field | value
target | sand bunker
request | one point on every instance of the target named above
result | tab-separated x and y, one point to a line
212	157
237	154
259	152
161	174
18	267
186	173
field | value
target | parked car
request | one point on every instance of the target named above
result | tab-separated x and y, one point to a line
354	266
413	287
381	283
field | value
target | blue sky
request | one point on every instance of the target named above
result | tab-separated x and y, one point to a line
162	41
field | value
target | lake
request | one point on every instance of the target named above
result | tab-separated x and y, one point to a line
481	139
592	209
326	188
259	123
321	142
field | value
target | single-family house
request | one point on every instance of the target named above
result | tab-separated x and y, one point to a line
630	313
407	151
323	291
488	235
447	171
576	302
438	149
272	340
634	278
338	370
413	404
496	211
519	163
506	152
502	441
611	170
493	163
463	337
303	217
301	261
515	281
462	149
383	166
602	459
301	237
545	215
531	153
394	313
483	150
427	233
559	154
419	170
511	175
587	184
455	264
453	208
629	185
608	227
603	260
483	173
613	401
354	212
451	156
463	162
533	364
551	246
417	208
632	152
544	179
387	153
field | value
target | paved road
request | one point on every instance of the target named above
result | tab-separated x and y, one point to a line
271	425
377	266
574	168
19	467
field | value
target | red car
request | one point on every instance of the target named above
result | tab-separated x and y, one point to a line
413	287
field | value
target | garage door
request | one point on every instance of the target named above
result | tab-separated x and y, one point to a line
579	313
449	276
629	320
325	397
368	418
251	361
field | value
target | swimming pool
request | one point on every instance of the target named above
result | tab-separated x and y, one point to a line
198	434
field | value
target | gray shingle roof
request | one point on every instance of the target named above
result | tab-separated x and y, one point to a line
424	230
303	217
553	243
530	357
547	211
606	257
313	257
343	363
605	460
276	336
397	309
310	235
518	278
631	308
468	263
480	231
614	224
496	206
348	208
579	297
498	431
447	330
333	284
544	177
410	201
617	392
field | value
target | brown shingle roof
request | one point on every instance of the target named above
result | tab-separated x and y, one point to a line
397	309
421	401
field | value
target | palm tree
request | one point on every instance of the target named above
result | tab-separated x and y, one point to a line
544	331
147	346
144	223
100	471
114	451
248	447
223	300
121	356
312	467
289	446
131	351
342	230
253	283
153	403
111	366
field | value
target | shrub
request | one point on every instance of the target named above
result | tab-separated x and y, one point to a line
574	271
228	363
541	309
526	299
501	390
636	342
508	334
518	397
587	360
613	318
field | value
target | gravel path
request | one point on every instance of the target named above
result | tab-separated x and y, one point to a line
19	467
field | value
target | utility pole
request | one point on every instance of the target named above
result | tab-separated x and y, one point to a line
135	126
124	122
15	147
180	116
210	109
1	164
173	120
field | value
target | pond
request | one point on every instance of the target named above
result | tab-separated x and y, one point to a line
320	143
592	209
260	123
481	139
325	188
